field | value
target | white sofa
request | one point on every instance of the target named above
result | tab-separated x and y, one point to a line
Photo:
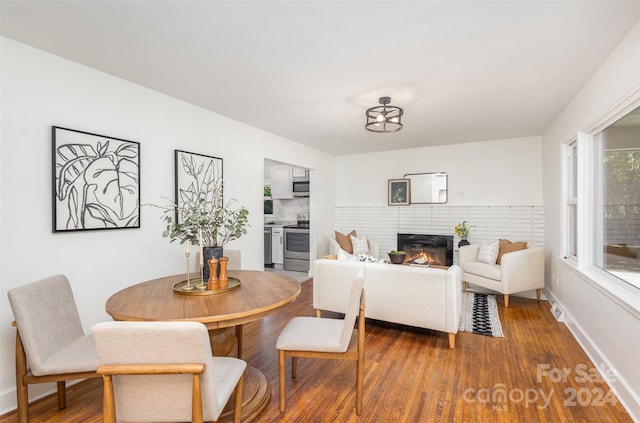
518	271
422	297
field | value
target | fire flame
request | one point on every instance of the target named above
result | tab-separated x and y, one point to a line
426	257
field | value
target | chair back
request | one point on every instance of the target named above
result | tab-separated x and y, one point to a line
353	308
157	398
47	319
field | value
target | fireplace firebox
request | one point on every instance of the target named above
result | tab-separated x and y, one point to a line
427	249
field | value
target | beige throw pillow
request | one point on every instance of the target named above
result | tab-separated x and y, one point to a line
344	241
507	246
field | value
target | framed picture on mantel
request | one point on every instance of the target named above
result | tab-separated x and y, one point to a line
399	192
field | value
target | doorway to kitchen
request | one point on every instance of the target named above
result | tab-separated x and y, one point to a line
286	219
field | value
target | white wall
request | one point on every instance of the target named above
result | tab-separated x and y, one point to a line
485	179
490	173
40	90
608	329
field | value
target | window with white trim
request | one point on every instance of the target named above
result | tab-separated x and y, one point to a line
616	199
602	199
572	200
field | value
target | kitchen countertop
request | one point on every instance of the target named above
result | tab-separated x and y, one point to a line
278	223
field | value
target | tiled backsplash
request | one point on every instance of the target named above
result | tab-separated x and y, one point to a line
287	210
488	223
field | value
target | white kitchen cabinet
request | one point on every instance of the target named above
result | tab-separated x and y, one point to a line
300	172
281	182
277	245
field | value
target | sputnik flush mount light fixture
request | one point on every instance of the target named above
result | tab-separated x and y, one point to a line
385	118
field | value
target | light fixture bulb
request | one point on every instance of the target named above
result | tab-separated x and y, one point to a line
384	118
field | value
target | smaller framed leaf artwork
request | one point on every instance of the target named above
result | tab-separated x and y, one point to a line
199	181
399	192
96	181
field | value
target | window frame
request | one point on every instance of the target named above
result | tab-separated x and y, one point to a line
570	241
587	192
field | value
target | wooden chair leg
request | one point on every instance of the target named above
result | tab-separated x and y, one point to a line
108	402
506	300
464	287
318	313
359	385
452	340
22	390
196	400
239	340
360	364
294	367
237	404
281	378
538	294
62	395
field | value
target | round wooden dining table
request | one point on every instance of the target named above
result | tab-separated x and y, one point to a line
258	295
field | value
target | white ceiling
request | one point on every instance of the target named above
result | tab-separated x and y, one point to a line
463	71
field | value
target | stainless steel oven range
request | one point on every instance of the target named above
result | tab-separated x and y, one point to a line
296	247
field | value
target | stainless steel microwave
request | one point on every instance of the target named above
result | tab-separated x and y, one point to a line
301	187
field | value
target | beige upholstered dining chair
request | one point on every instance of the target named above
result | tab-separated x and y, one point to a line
164	372
317	337
51	345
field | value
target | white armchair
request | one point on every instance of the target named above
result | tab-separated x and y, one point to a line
518	271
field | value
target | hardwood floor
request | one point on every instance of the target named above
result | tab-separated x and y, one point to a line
411	375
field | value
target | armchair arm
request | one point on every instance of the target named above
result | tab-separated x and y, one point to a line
523	270
151	369
468	253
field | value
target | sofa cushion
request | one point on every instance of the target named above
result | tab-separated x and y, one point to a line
368	258
359	245
343	255
344	241
488	252
489	271
507	246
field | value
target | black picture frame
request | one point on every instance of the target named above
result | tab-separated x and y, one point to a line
95	181
399	192
198	176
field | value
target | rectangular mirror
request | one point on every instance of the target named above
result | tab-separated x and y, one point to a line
428	188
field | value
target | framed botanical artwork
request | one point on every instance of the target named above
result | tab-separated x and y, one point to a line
399	192
95	182
198	180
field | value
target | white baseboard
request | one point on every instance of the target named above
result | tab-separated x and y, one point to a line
618	385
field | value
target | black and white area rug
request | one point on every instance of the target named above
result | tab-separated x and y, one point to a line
480	315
